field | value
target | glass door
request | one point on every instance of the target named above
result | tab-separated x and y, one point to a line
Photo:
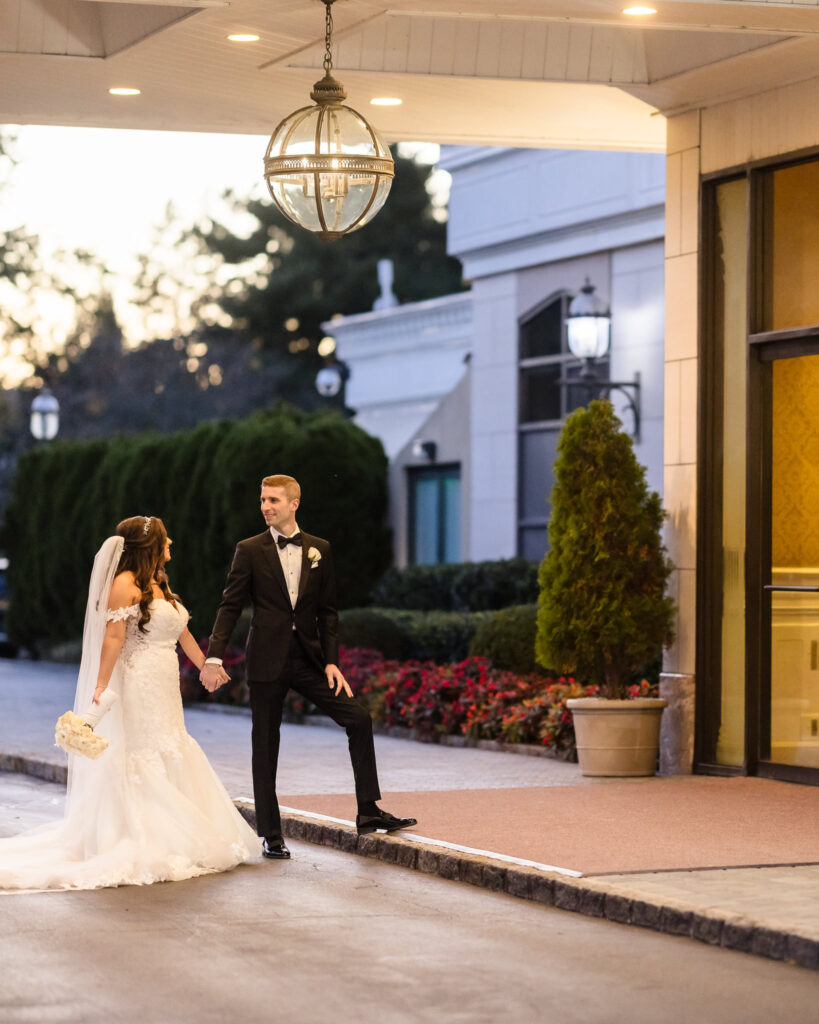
789	711
435	515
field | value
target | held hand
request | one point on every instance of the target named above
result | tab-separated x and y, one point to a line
337	680
213	676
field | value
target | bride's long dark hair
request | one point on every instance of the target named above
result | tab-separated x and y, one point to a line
144	555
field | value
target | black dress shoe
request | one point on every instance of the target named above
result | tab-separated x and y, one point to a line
274	849
381	822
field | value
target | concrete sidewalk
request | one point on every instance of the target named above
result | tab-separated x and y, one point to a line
329	937
770	910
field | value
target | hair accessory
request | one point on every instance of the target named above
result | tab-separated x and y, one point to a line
147	525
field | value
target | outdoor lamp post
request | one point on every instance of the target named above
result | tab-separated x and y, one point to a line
588	327
326	167
45	416
588	323
331	381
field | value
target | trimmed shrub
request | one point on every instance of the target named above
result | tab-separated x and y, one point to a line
374	630
603	612
507	639
460	587
204	483
428	636
438	636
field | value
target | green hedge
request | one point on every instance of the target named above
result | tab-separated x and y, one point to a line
464	586
507	639
403	634
204	483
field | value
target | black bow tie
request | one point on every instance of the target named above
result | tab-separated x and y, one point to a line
295	539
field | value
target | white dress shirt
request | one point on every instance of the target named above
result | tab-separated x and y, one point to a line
290	557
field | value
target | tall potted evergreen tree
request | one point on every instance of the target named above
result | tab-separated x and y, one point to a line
603	613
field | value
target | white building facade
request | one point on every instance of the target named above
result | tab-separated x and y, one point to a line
465	391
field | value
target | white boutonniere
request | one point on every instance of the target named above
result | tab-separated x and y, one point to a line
314	557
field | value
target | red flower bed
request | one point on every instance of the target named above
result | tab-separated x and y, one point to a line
469	698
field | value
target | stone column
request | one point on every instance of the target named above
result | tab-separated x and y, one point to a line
677	727
680	435
493	495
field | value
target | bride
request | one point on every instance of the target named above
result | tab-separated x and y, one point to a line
151	809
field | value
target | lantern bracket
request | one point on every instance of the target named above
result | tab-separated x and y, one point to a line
600	387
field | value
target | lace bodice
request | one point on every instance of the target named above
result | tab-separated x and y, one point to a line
161	628
152	703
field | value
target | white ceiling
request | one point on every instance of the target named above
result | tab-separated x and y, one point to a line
564	73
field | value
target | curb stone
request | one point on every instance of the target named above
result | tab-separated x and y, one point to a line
22	765
588	896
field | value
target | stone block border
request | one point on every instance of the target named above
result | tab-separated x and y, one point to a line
48	770
590	896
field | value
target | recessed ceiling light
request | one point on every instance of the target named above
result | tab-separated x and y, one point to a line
122	91
639	10
243	37
386	101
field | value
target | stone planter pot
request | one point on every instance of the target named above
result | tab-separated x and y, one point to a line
617	737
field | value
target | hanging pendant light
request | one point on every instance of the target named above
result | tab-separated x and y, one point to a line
327	169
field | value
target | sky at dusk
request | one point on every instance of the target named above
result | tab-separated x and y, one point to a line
107	191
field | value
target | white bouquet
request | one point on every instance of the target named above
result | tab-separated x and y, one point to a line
75	733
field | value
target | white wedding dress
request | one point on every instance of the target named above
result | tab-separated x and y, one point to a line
151	808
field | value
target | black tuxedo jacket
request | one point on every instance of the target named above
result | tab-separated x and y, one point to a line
256	576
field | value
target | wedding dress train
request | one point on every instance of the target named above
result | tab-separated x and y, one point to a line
151	808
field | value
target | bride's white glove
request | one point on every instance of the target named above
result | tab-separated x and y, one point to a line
101	708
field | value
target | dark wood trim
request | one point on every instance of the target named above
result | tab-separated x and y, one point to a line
761	220
757	497
728	771
798	343
788	773
758	560
709	496
759	231
797	156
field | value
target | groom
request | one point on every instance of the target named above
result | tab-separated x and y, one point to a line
293	643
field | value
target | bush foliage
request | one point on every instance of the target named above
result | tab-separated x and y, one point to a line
374	629
461	587
401	633
507	639
204	483
603	613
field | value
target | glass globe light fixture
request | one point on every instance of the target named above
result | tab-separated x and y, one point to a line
588	323
45	416
326	167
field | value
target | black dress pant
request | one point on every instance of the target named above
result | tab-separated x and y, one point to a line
266	702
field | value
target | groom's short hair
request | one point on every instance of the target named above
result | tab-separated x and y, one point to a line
291	486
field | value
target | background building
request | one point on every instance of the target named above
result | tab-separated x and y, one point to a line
464	391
